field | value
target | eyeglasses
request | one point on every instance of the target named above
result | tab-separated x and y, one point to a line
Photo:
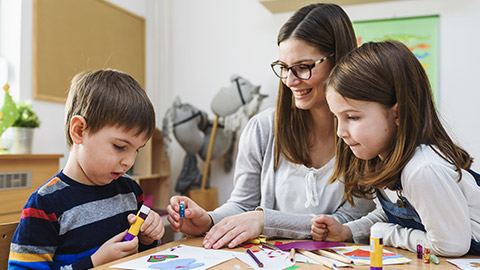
301	71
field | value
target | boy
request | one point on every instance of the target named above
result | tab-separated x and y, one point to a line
78	219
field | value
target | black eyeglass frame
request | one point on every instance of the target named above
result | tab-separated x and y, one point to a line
309	66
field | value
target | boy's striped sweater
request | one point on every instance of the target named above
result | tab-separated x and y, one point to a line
64	222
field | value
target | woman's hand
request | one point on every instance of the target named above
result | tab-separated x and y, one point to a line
326	228
196	220
235	230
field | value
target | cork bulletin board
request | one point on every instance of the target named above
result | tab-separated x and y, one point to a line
70	36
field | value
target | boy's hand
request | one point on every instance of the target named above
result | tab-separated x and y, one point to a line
326	228
234	230
152	228
114	249
196	220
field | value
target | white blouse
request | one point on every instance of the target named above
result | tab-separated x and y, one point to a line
294	180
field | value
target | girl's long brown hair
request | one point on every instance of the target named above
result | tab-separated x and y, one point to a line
327	28
388	73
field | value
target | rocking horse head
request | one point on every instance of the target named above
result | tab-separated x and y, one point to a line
189	124
192	130
229	99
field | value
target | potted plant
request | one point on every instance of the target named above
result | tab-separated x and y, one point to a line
20	134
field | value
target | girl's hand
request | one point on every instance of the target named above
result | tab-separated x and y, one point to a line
114	249
196	220
326	228
152	228
235	230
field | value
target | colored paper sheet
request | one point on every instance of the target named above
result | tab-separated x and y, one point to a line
361	255
308	245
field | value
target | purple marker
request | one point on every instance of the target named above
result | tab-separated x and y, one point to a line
135	227
259	263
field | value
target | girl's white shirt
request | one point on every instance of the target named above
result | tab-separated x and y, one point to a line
449	209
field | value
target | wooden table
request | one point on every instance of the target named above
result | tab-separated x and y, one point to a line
197	241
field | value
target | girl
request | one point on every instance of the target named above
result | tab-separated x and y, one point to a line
285	154
392	144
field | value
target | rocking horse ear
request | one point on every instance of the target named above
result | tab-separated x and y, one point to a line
229	99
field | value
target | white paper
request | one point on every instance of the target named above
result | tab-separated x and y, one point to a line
470	264
182	256
271	259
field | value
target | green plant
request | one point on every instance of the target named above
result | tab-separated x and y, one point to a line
26	116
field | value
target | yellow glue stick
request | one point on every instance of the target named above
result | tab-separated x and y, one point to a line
376	249
135	227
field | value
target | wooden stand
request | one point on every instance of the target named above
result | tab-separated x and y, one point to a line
206	198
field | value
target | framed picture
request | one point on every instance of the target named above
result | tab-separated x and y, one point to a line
420	34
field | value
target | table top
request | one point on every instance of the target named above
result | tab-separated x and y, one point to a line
235	263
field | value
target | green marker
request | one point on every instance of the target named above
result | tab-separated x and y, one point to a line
434	259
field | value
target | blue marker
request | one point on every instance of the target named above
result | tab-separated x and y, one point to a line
182	209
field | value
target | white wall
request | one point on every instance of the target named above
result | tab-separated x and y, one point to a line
212	39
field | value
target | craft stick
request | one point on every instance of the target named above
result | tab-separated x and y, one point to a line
333	255
316	258
292	255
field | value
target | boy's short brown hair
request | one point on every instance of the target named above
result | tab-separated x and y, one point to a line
109	97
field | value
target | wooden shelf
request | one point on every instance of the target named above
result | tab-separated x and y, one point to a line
152	171
279	6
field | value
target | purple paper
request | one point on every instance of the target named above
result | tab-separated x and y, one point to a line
309	245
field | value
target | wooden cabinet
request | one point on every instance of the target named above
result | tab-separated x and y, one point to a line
152	172
12	195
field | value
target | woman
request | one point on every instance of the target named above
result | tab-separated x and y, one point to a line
286	154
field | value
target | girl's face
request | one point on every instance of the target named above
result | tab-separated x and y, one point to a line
308	94
367	127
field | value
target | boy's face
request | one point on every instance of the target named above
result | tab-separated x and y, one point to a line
106	155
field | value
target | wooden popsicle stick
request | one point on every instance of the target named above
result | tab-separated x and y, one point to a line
316	258
333	255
